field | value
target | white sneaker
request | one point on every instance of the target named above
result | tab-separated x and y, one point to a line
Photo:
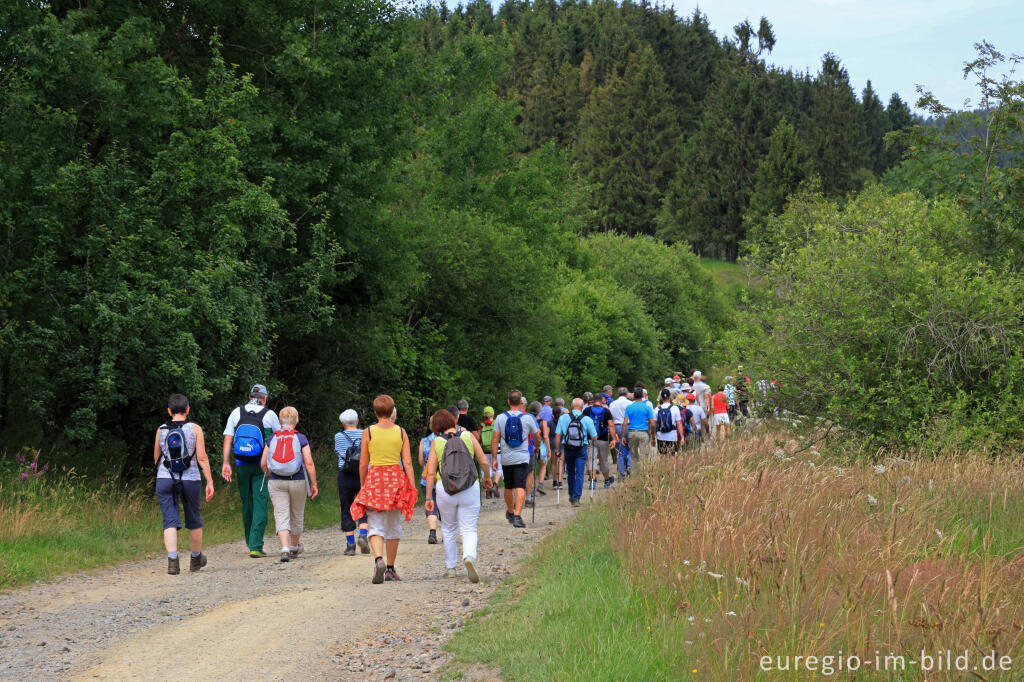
449	573
474	577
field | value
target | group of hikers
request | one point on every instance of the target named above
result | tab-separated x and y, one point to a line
520	448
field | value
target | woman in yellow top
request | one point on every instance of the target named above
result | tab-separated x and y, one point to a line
459	512
388	488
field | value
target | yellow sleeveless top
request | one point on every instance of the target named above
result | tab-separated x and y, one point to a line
385	446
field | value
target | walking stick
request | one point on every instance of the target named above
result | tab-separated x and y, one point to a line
533	467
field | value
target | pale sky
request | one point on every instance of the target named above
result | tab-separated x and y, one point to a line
897	44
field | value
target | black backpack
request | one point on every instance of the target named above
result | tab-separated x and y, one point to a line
574	437
458	470
665	424
350	458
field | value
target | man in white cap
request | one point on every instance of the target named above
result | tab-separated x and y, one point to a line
248	430
702	393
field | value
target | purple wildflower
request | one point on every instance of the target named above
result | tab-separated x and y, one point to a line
32	465
24	476
46	467
21	460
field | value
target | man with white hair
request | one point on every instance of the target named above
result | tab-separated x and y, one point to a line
573	434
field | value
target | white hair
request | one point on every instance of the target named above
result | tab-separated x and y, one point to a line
349	417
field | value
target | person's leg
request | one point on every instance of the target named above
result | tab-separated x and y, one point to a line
580	460
195	540
166	495
260	503
392	551
278	492
624	459
449	524
510	497
520	500
345	497
297	492
603	455
171	540
393	534
192	493
376	532
243	474
469	512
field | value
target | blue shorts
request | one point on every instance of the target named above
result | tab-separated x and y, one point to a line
169	493
544	452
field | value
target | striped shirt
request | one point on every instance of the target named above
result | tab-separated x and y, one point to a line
342	441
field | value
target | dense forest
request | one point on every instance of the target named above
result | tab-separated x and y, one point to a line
344	198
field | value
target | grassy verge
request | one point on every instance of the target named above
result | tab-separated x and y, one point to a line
572	614
764	548
50	526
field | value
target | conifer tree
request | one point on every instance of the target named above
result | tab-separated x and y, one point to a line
835	129
628	133
874	124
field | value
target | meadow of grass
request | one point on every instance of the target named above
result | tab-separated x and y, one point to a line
766	547
728	276
61	522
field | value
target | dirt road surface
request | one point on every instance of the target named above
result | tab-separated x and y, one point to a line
240	618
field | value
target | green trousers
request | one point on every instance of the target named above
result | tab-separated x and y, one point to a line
253	489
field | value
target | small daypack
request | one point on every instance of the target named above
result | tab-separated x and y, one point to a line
688	420
487	434
350	457
248	441
665	424
285	457
514	429
177	458
599	415
458	470
574	437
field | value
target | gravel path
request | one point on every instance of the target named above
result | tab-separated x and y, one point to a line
241	618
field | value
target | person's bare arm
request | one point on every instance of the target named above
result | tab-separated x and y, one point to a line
614	434
225	469
407	461
429	474
307	461
203	460
481	459
156	448
364	456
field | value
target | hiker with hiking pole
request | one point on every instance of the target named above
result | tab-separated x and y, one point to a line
573	432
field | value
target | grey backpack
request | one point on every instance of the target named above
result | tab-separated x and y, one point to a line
458	470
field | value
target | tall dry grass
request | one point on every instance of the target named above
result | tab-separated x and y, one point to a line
764	550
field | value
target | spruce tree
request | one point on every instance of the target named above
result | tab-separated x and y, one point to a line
628	132
898	118
835	129
873	126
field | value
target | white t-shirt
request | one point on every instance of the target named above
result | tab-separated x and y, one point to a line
701	391
190	474
618	409
270	420
698	415
673	435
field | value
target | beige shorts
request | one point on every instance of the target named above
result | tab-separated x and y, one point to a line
598	455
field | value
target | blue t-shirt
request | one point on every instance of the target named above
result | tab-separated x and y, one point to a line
425	447
530	415
638	413
588	427
300	474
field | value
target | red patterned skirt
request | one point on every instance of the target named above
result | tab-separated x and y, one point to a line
385	488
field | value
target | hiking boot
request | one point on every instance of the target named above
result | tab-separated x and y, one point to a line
257	554
364	544
540	489
450	573
432	537
350	550
593	485
528	502
196	562
574	503
608	481
391	574
474	577
378	571
285	556
172	566
509	516
517	522
295	552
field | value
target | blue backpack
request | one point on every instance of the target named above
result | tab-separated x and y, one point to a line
665	424
599	415
248	440
513	429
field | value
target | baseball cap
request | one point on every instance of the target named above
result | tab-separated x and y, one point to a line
607	397
697	374
258	389
547	399
668	380
675	378
690	396
685	387
489	411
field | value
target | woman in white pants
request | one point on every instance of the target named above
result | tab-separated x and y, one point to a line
459	512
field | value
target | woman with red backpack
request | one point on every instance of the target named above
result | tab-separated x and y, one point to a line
287	461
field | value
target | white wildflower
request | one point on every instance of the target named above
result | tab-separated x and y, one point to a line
879	469
871	500
743	582
779	453
939	533
686	562
716	576
730	613
930	486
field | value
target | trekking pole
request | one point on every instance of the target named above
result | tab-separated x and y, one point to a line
533	517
